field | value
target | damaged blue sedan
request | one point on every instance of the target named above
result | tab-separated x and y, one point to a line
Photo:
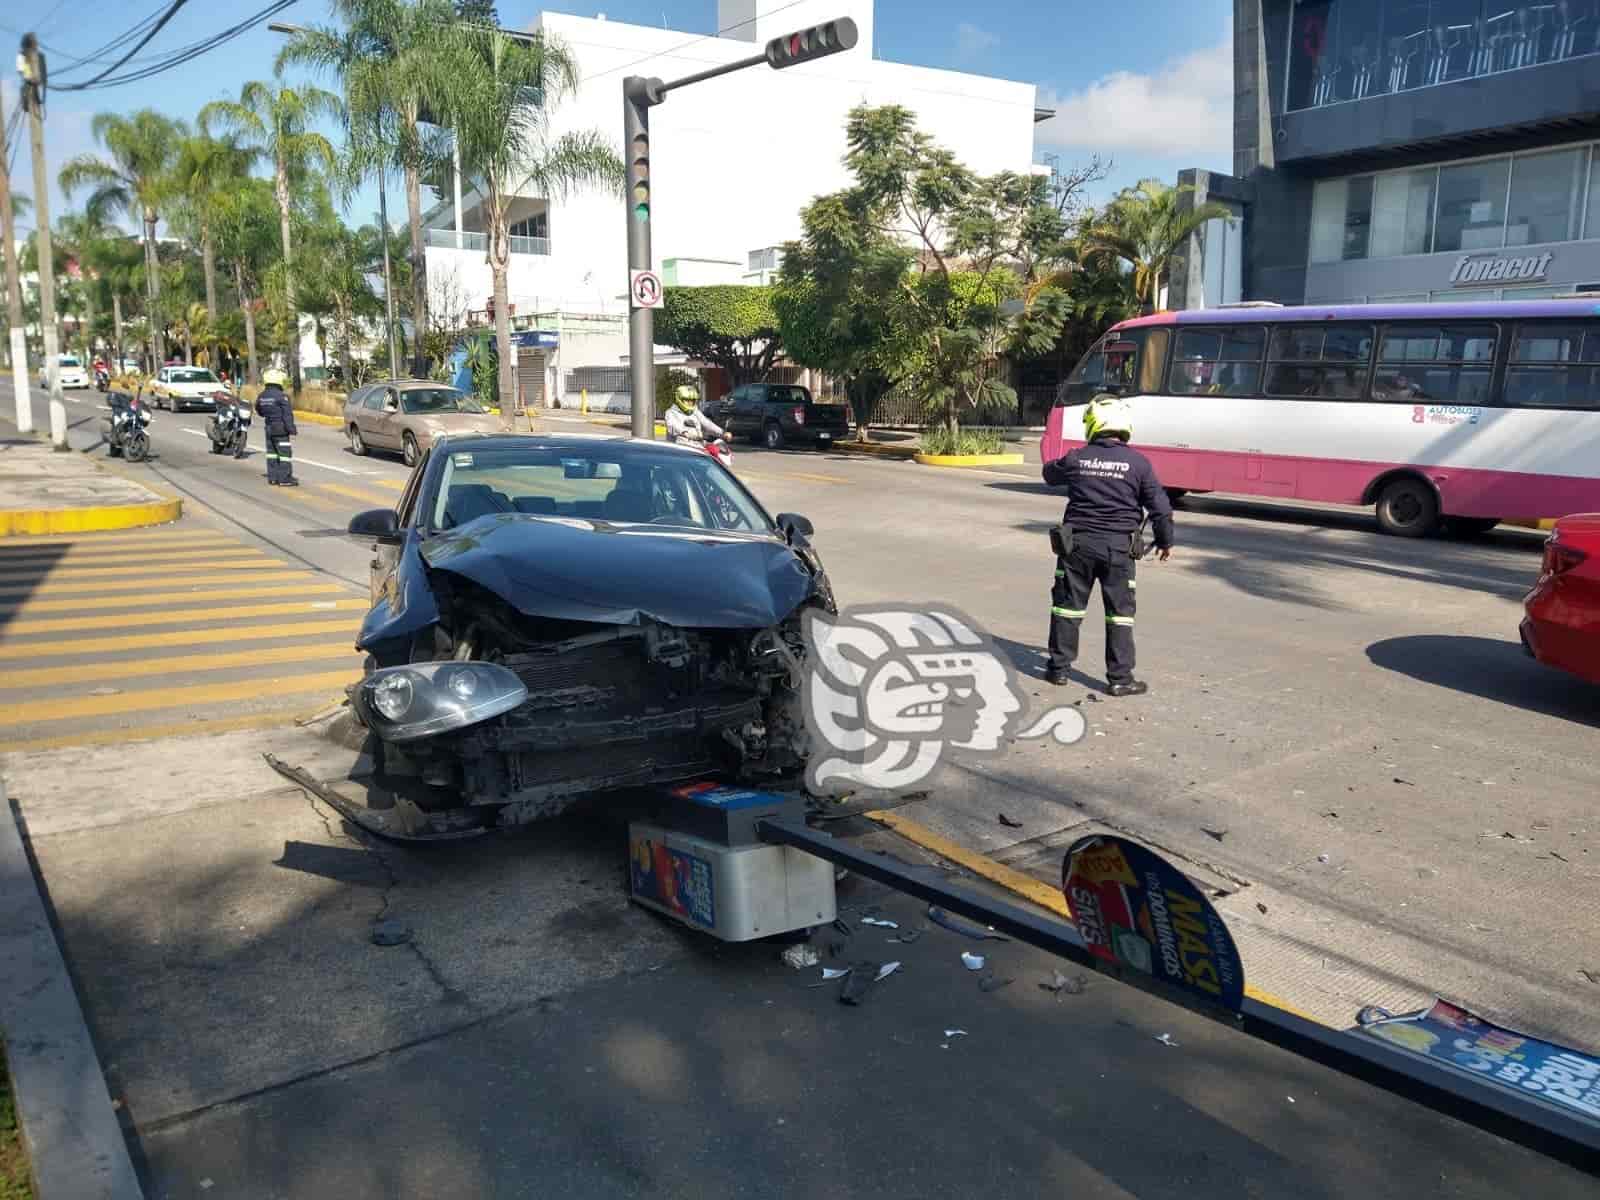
559	615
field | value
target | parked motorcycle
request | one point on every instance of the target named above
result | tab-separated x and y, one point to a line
125	428
228	427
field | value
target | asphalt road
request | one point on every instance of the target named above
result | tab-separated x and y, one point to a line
1343	737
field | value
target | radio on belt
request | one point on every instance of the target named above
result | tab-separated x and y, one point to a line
702	863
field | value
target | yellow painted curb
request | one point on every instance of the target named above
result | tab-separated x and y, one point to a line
971	460
1026	886
318	418
25	522
1531	523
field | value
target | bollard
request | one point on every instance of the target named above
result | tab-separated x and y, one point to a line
583	402
58	424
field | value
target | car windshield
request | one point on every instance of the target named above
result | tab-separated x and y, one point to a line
438	400
193	375
598	482
67	360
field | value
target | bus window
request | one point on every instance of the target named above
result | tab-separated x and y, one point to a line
1218	362
1326	362
1548	367
1114	360
1447	364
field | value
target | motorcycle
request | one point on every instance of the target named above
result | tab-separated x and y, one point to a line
721	451
124	429
228	427
102	379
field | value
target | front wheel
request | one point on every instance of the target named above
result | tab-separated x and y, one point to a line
240	441
358	446
408	450
138	446
1407	507
772	436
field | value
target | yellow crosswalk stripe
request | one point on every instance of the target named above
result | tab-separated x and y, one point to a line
106	558
38	711
243	564
817	478
22	651
366	497
121	537
394	485
135	668
181	617
146	732
304	497
150	599
51	587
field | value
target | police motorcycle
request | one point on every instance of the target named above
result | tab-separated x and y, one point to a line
125	428
228	426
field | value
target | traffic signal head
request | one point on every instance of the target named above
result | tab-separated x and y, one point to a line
818	41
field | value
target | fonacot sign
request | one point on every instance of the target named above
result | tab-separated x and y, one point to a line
1477	270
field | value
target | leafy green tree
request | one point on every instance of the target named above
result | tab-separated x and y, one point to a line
1143	227
977	238
247	246
278	123
497	97
727	325
135	179
207	171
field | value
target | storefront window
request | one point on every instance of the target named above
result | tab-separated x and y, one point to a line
1402	213
1472	206
1327	220
1342	50
1546	197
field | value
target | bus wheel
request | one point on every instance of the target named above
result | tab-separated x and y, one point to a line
1472	526
1407	507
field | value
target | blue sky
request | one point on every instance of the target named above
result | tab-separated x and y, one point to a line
1150	86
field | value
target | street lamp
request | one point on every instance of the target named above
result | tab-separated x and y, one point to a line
383	221
639	96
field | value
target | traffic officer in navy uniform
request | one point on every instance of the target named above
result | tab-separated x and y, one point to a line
1110	488
277	418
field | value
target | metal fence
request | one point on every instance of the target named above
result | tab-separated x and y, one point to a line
907	409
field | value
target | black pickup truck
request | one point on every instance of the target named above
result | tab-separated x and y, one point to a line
779	414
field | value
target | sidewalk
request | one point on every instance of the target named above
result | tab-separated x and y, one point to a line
45	492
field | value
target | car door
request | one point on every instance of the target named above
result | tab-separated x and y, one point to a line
386	554
364	415
726	412
384	405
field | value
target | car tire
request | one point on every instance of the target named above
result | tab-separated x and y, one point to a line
1407	507
357	446
772	436
408	450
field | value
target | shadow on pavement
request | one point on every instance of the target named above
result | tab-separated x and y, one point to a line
1491	669
24	569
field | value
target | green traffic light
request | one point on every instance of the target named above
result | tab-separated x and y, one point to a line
641	212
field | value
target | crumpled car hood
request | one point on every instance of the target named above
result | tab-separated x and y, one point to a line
581	570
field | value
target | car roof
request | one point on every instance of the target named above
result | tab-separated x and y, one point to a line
410	383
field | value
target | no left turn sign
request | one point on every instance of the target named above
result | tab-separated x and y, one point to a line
644	289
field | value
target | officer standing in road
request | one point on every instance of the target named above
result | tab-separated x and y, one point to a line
1110	488
277	416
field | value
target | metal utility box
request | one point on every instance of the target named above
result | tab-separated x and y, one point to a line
701	863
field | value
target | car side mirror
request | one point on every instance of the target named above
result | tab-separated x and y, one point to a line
794	524
379	523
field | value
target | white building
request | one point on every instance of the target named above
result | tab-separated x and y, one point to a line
733	161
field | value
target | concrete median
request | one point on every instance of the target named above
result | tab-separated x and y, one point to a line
43	492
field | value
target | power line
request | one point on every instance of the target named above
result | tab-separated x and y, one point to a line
94	56
172	11
185	54
691	42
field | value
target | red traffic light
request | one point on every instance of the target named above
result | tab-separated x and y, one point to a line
804	45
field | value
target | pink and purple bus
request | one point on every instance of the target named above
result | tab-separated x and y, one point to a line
1469	412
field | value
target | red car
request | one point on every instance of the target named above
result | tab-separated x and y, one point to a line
1562	625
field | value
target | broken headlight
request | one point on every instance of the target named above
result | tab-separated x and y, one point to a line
403	703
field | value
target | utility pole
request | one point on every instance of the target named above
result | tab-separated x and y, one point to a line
32	65
639	95
19	335
388	292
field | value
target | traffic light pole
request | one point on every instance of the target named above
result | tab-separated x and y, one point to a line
639	95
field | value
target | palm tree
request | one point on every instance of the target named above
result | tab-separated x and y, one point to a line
207	170
497	96
279	121
135	181
1143	227
387	60
247	248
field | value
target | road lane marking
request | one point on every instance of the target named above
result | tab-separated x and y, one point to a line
228	613
1035	891
396	485
311	462
51	588
24	651
301	496
39	711
76	572
109	737
153	558
117	538
133	669
355	493
151	599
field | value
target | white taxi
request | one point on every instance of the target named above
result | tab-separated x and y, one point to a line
71	371
181	387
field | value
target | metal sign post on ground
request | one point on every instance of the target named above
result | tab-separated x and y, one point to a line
639	95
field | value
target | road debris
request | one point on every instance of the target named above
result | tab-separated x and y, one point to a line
1070	985
888	969
1217	834
1331	814
1261	908
1322	858
1166	1039
391	932
1008	822
843	927
858	983
834	972
965	928
972	962
880	923
955	1033
1407	782
800	956
990	983
1593	976
907	936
